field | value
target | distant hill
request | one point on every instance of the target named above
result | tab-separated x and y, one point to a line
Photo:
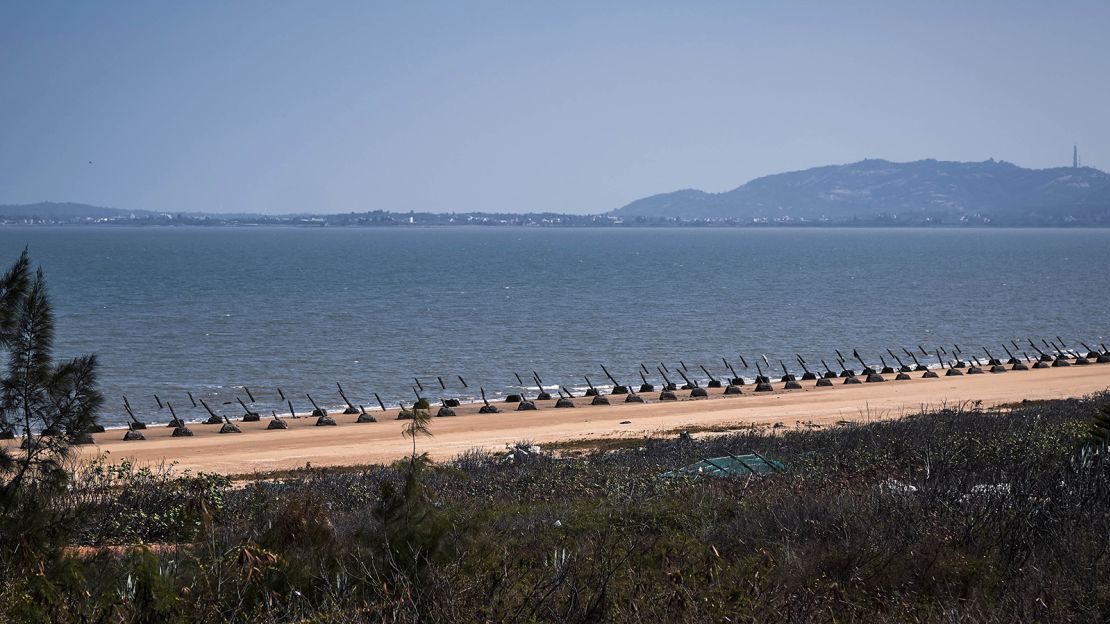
62	210
925	191
869	192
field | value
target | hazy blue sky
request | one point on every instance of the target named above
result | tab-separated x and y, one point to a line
519	106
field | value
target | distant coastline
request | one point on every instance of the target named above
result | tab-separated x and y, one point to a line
520	220
869	193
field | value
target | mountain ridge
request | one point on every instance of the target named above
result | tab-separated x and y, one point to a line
869	192
63	210
923	190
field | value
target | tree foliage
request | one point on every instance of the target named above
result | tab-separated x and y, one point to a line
50	405
1100	427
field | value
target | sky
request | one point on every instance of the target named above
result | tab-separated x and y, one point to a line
576	107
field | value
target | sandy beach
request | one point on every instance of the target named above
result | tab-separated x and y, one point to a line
257	450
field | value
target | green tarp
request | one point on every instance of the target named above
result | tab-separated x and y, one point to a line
727	466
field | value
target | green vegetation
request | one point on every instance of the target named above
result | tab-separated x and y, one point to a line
1100	428
958	514
47	407
954	515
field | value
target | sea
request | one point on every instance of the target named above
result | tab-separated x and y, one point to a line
219	311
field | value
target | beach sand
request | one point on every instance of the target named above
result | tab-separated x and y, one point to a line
257	450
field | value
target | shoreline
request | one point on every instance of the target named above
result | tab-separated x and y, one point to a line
257	451
470	398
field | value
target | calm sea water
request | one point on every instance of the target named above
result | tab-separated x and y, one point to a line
170	310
